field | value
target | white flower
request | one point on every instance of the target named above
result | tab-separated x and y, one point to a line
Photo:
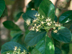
56	25
15	48
59	25
48	20
48	24
38	26
37	30
34	20
55	31
59	28
54	28
32	28
42	16
38	15
8	53
51	22
28	21
34	24
54	22
42	22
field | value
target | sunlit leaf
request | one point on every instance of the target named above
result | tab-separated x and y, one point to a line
45	46
47	9
65	17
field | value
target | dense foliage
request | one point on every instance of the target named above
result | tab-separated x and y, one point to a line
47	35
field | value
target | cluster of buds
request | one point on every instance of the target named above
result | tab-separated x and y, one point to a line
17	51
15	48
44	23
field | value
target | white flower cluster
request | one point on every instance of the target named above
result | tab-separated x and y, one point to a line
44	23
17	51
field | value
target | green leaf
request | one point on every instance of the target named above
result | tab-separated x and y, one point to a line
26	27
47	9
17	37
11	26
67	16
35	51
2	7
30	5
18	16
58	51
57	46
68	25
7	52
70	52
45	46
63	35
9	46
37	3
66	47
14	33
55	18
33	37
5	12
30	14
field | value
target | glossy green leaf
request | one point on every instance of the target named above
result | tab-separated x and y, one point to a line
11	26
9	46
17	37
33	37
5	12
66	48
2	7
30	5
58	51
67	16
68	25
63	35
35	51
14	33
57	46
45	46
7	52
37	3
55	18
30	14
26	27
18	16
47	9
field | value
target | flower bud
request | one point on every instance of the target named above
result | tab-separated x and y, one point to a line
42	22
54	28
48	20
34	20
55	31
37	30
15	48
59	28
34	24
48	24
56	25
